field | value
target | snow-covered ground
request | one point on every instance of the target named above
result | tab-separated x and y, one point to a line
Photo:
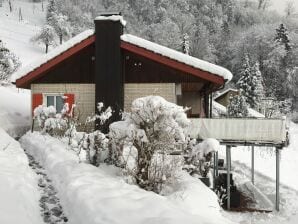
100	195
14	110
18	185
265	180
16	34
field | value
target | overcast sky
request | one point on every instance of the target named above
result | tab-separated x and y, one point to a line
279	5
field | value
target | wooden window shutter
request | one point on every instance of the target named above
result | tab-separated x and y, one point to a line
36	101
69	98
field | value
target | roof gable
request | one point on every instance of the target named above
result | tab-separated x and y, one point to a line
150	50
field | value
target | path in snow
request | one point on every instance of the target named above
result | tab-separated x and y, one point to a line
288	200
51	208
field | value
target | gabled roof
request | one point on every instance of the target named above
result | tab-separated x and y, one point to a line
224	92
153	51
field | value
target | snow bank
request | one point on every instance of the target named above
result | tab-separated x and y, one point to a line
14	110
92	195
53	53
178	56
18	185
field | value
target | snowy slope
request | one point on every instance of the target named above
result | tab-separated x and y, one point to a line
18	185
16	34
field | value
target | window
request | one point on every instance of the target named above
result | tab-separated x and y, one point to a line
55	100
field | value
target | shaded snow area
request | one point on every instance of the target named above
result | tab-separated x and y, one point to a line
92	194
19	194
265	180
14	110
16	34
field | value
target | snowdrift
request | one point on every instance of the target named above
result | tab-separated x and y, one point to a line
92	195
18	185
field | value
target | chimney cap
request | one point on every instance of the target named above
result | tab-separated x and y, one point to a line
112	13
111	16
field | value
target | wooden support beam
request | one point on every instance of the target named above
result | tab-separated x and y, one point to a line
277	179
253	165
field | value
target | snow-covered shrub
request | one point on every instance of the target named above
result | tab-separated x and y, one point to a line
154	128
93	145
198	158
52	122
9	63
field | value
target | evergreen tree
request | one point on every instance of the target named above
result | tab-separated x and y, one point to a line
259	84
247	83
237	106
282	37
46	36
52	12
9	63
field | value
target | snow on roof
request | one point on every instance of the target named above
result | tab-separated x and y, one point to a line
52	54
219	94
112	18
254	113
222	110
178	56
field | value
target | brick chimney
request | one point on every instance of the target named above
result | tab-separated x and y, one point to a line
109	77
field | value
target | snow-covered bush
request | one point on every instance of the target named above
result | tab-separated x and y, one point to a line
52	122
198	158
9	63
153	129
91	145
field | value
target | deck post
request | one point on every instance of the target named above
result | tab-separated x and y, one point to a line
216	170
277	179
214	167
228	159
253	165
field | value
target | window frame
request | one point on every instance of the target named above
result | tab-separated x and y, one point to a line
55	95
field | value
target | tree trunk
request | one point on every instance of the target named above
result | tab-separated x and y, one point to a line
47	46
144	161
60	36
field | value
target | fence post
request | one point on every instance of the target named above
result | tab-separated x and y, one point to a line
228	159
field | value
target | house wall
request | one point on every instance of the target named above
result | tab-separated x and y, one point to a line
84	95
136	90
225	99
192	100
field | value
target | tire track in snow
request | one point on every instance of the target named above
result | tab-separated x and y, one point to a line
51	209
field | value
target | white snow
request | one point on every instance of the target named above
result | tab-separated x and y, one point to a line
53	53
92	195
18	185
16	34
178	56
14	110
220	110
265	180
112	18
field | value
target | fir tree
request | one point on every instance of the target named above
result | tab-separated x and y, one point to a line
237	107
47	36
247	83
9	63
52	12
259	84
282	37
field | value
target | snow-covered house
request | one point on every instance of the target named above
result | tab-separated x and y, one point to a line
115	68
223	97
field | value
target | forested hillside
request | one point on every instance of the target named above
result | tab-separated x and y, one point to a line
219	31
